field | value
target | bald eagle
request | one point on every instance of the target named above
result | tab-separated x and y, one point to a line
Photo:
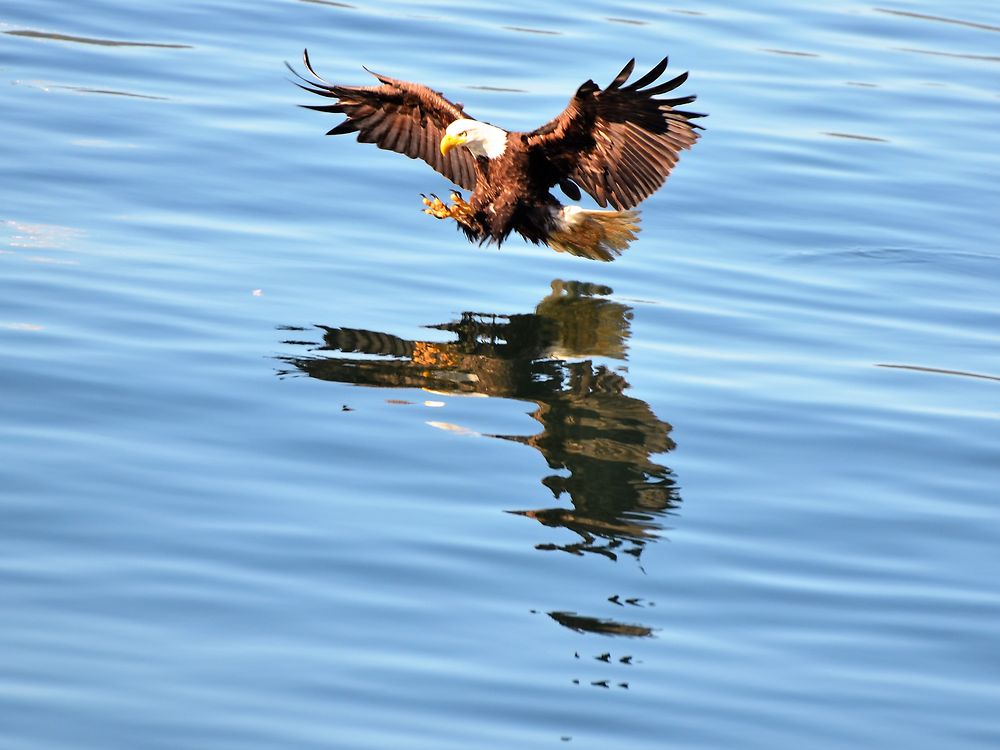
618	144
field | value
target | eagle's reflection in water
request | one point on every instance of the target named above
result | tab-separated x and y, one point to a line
598	438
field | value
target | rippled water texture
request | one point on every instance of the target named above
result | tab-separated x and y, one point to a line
289	464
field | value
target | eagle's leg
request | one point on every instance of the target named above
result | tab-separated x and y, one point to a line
459	210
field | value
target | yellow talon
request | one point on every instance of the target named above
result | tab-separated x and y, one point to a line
435	207
459	210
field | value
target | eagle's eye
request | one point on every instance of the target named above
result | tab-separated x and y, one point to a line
464	134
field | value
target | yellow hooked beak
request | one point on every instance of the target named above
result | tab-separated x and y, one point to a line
449	142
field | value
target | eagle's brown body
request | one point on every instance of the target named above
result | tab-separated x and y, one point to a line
496	211
618	144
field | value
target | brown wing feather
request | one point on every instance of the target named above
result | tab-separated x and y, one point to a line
619	144
399	116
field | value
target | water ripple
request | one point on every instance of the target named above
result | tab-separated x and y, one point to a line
31	34
287	463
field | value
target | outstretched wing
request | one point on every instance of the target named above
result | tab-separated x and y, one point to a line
398	116
619	144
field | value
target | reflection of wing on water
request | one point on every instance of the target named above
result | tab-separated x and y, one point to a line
366	342
603	438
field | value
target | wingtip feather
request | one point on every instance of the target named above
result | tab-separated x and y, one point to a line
668	86
308	63
655	72
623	75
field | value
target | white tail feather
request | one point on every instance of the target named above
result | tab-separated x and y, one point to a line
598	235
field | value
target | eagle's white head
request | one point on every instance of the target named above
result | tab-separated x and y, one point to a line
480	138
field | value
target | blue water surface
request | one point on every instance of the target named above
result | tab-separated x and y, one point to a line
288	463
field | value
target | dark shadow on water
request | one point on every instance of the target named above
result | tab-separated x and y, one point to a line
598	441
938	19
330	3
52	36
526	30
583	624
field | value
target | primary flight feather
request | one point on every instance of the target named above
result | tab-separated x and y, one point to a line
618	144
